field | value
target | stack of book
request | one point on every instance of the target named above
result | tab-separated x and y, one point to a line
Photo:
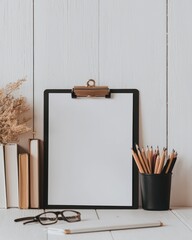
19	176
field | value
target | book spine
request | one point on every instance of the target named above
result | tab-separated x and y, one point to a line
34	172
11	170
24	180
3	197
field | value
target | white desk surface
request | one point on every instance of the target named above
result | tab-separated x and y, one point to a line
177	225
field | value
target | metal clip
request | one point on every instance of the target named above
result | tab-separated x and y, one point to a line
91	90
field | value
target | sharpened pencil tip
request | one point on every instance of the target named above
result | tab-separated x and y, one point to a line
67	231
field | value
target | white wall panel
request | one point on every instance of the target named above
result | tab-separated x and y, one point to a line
66	47
16	48
119	43
132	54
180	97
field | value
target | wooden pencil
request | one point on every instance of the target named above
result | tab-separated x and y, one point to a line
145	159
153	154
148	155
172	156
157	164
137	161
165	166
172	165
154	160
108	226
162	161
141	159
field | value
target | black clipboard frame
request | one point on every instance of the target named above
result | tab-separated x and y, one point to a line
135	140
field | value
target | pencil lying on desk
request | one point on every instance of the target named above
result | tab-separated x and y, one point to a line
111	226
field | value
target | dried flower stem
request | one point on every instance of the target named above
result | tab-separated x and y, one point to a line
12	124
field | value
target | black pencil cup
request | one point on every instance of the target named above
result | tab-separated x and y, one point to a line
155	191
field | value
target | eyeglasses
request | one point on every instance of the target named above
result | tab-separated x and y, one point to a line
52	217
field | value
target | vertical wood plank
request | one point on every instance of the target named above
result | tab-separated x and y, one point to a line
66	47
16	48
180	98
132	54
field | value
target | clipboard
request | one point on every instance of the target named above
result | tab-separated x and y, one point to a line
87	148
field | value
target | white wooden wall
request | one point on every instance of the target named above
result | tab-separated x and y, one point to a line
120	43
180	97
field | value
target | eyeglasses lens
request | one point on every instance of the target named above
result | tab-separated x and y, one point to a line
48	218
71	216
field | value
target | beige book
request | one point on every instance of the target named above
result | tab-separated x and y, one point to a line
24	180
3	198
34	172
11	170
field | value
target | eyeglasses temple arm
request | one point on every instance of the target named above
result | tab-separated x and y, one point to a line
34	220
23	219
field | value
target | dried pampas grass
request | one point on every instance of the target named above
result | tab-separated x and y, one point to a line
12	122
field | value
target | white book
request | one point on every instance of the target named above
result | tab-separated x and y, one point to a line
11	170
3	198
34	172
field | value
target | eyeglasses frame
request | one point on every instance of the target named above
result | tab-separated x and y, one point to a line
57	213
